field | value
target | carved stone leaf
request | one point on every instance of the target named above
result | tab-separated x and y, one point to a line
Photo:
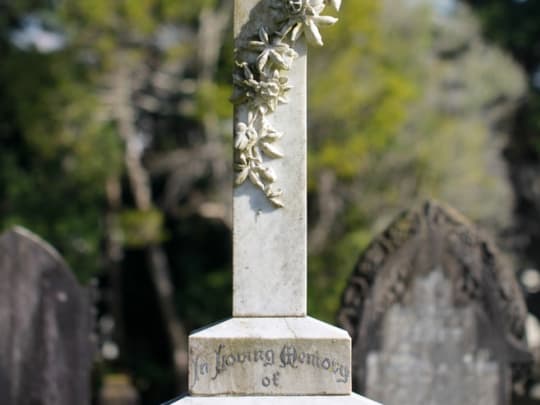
271	150
272	136
297	32
336	4
255	179
241	141
242	176
263	35
278	202
325	20
262	60
268	174
313	34
275	196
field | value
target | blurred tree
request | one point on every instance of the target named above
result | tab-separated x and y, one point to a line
515	25
127	81
413	106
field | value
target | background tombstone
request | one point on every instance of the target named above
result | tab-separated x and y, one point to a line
435	314
45	323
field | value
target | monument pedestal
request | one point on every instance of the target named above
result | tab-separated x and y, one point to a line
270	361
270	356
351	399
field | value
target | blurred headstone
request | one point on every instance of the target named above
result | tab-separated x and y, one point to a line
46	326
118	390
436	315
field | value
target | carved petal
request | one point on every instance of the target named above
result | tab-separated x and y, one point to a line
312	33
255	179
273	104
272	136
318	6
242	176
297	31
256	45
271	193
336	4
325	20
268	174
275	196
241	141
277	202
271	150
262	60
279	60
263	35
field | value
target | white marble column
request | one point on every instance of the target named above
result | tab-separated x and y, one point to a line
270	248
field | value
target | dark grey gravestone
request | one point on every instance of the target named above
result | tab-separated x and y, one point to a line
46	344
436	315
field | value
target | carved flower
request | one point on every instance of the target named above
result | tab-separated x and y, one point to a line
264	95
274	91
245	84
268	136
273	51
246	136
308	21
261	86
295	6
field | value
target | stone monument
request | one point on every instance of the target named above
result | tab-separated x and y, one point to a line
46	326
271	352
436	315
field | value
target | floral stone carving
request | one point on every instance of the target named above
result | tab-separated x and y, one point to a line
262	84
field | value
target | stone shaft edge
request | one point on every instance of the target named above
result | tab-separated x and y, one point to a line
270	271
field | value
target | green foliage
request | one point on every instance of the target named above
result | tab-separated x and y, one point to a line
55	155
213	98
404	107
515	25
329	272
141	228
360	90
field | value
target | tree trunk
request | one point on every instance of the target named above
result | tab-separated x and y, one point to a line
140	187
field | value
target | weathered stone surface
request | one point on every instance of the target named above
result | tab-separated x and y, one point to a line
436	314
427	334
270	270
45	323
352	399
270	356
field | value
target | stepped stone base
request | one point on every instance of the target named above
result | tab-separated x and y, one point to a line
351	399
269	357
